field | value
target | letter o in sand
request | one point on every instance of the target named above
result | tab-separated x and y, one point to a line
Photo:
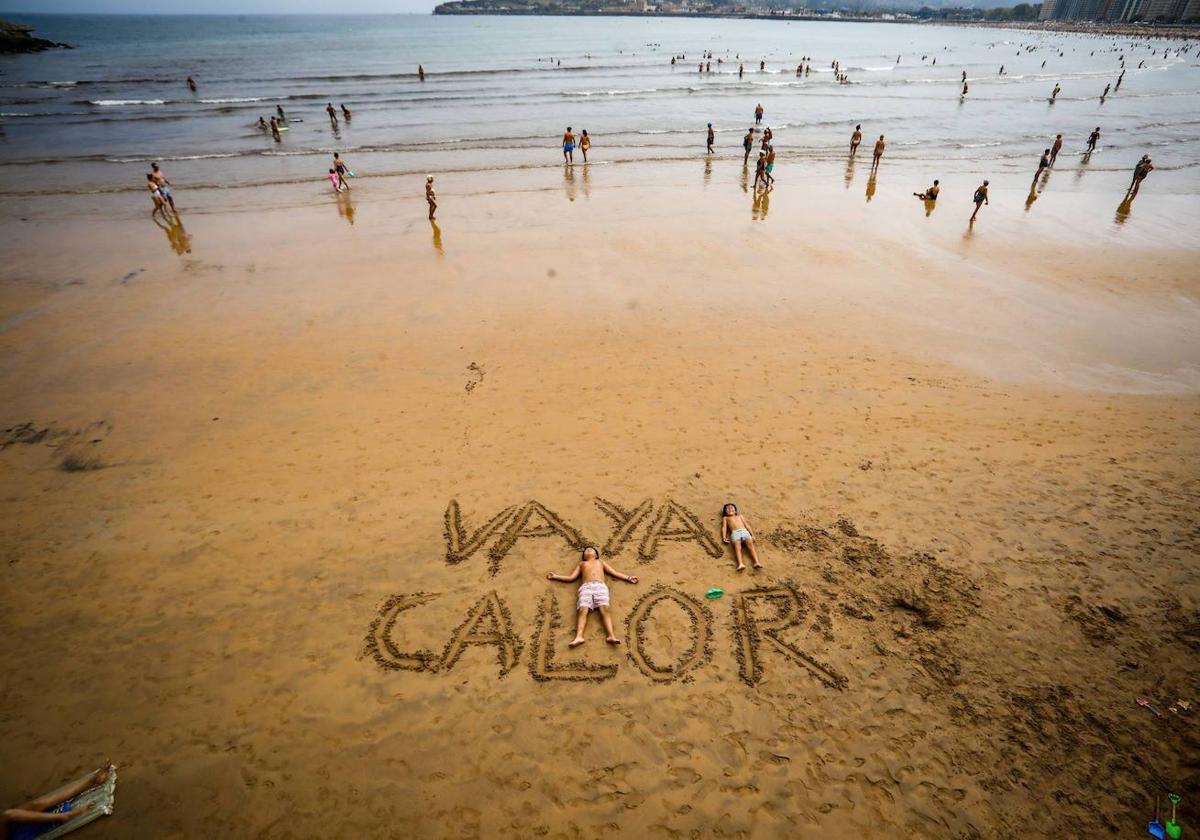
700	629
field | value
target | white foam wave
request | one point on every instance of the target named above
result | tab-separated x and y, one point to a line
232	99
106	102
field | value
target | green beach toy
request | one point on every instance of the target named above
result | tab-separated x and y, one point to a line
714	593
1174	829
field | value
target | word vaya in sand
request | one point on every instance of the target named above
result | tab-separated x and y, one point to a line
758	616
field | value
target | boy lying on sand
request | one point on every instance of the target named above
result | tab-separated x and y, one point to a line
593	592
735	529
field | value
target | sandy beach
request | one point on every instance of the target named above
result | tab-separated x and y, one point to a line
279	500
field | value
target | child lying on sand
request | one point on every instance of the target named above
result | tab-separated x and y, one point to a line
593	592
735	529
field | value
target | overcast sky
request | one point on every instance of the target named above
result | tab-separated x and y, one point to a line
221	7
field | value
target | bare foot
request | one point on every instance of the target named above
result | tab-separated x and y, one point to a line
741	567
759	566
613	640
576	642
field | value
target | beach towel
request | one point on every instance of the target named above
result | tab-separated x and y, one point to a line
104	796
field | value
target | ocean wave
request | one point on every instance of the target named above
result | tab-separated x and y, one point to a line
231	99
109	102
607	92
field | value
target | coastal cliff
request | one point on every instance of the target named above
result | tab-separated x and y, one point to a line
18	38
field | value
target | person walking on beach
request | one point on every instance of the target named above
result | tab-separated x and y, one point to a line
1043	164
430	195
342	169
585	143
855	139
1120	79
879	144
1093	138
593	593
758	114
711	137
770	168
164	186
735	529
760	170
766	137
1058	141
981	198
338	184
1143	168
568	144
159	205
747	144
964	77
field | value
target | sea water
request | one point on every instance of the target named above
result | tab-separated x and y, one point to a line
500	91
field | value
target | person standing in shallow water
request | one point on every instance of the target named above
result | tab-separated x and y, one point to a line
1093	138
1054	150
711	138
747	144
1043	165
758	114
855	139
585	143
568	143
879	144
421	72
430	195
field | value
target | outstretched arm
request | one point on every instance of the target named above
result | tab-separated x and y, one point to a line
627	578
724	529
565	578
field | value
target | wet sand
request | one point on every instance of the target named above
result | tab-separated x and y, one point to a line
241	485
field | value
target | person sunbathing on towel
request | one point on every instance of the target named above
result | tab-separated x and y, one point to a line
37	816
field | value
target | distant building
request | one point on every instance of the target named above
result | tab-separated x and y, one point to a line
1049	7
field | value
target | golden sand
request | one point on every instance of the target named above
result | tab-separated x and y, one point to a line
277	515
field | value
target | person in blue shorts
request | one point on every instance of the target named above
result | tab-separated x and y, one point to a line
568	146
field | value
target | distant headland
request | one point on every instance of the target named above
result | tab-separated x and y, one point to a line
18	38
